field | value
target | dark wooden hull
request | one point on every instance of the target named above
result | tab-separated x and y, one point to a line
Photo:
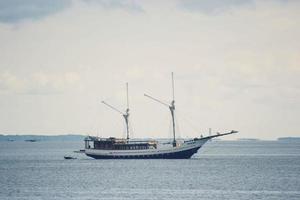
185	154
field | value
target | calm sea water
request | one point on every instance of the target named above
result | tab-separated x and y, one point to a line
220	170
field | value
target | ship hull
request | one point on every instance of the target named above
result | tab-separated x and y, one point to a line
184	152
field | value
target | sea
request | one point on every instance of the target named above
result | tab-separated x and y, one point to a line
220	170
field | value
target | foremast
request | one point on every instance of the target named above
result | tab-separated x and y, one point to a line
124	114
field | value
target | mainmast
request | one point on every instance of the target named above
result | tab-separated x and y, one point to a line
171	107
124	114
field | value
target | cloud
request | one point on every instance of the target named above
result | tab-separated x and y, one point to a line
218	7
12	11
116	4
213	6
38	83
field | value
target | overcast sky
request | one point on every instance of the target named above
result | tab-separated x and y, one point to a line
236	65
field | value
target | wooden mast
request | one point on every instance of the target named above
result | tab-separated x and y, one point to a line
171	106
124	114
172	109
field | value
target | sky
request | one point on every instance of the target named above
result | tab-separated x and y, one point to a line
236	66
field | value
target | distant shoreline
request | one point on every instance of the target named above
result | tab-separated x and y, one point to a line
79	137
289	139
69	137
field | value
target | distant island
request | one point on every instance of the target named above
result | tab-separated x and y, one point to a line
247	139
38	138
289	139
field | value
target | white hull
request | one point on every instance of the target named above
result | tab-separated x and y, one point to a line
185	150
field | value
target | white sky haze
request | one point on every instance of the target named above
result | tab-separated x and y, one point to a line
236	65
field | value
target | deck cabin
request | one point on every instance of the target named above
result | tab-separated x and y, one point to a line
118	144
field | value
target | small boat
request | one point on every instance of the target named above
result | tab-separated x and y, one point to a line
79	151
31	140
69	157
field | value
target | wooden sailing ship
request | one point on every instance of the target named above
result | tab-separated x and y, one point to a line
127	148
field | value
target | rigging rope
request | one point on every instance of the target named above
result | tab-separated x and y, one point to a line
188	121
178	132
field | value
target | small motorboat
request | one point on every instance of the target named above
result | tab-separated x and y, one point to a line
79	151
69	157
